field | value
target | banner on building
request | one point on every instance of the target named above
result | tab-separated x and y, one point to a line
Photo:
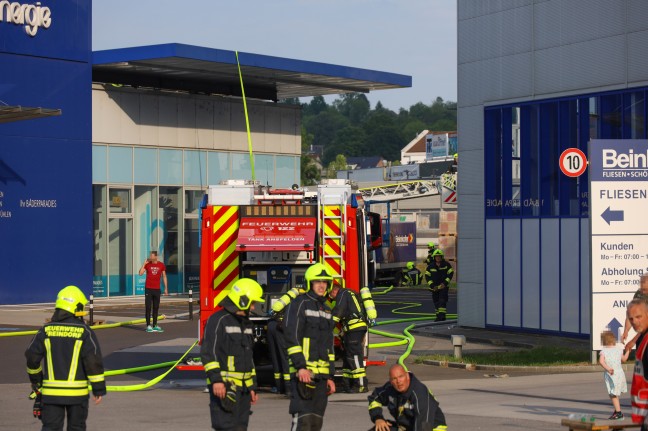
436	145
404	173
452	144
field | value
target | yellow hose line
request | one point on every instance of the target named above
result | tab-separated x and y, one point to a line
142	386
105	326
247	119
407	337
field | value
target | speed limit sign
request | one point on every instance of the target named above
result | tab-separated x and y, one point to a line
573	162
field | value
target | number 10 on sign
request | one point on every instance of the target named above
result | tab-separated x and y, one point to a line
573	162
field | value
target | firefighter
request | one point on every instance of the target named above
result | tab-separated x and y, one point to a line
438	275
350	315
431	248
308	328
410	402
72	359
277	342
410	275
226	353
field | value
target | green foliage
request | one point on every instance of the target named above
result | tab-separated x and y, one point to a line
310	173
350	127
338	164
538	356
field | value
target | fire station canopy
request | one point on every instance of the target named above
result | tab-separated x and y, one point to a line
197	69
276	234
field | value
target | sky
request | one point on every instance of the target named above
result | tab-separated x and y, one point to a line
410	37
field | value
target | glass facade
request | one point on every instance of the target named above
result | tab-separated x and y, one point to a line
537	219
148	199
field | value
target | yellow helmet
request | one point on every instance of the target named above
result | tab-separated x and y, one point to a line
410	265
318	272
244	292
72	300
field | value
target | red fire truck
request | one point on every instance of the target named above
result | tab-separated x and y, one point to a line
273	236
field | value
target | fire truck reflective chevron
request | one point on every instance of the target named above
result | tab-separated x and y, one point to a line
273	237
333	250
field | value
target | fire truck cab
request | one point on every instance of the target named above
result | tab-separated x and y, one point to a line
273	236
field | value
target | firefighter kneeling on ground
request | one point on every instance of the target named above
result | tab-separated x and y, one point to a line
308	328
410	275
226	353
72	359
350	315
277	342
438	275
410	402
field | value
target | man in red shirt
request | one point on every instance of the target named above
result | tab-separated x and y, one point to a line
155	270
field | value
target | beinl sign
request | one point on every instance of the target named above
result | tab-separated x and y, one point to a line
32	17
619	232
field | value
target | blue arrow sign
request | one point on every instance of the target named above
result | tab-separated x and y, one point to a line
610	215
614	326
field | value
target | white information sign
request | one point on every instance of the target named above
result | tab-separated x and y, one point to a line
618	219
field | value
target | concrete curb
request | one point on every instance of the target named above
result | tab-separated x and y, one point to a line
529	369
478	340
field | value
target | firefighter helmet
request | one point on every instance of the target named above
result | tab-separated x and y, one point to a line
410	265
437	252
318	272
72	300
244	292
431	245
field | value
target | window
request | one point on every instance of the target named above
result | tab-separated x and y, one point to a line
171	167
119	201
120	165
99	164
171	227
146	166
195	168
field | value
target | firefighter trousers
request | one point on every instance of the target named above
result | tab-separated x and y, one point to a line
237	419
279	356
440	298
353	360
53	416
308	415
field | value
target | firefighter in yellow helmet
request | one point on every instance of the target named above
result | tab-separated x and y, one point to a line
226	354
277	342
410	275
308	328
62	360
431	247
349	313
438	275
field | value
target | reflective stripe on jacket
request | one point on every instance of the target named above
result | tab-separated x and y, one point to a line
439	275
308	329
416	409
348	311
226	351
72	359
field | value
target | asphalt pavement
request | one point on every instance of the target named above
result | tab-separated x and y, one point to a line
471	400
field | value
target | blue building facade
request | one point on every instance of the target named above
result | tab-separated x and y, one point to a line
45	163
554	75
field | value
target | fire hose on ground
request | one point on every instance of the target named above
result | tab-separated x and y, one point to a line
406	338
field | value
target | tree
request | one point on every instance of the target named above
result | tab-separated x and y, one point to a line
310	173
316	106
354	106
351	141
325	125
339	164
